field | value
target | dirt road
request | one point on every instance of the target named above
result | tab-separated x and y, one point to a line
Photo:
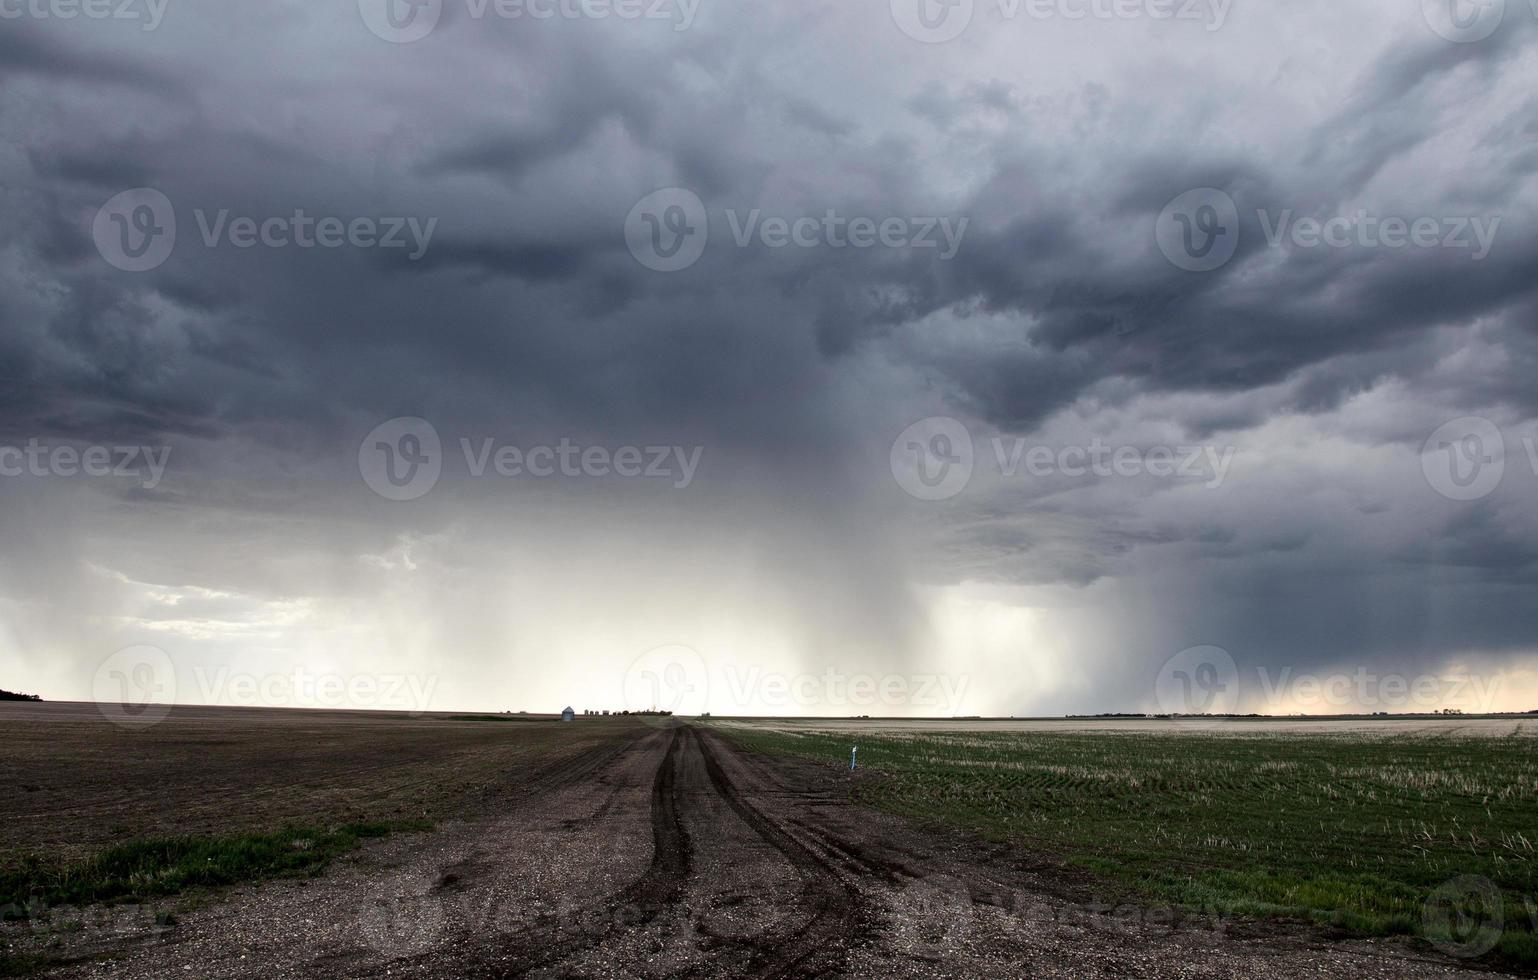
674	854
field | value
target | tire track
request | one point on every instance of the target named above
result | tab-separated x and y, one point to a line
474	946
557	775
663	881
641	902
818	944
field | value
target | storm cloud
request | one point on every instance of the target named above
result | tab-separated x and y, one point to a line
1373	283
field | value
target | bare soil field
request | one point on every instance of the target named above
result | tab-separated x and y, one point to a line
661	851
75	782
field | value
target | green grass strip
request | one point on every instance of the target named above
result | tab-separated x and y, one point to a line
155	867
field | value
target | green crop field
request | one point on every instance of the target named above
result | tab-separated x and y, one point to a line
1357	831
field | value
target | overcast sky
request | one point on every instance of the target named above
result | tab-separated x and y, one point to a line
727	354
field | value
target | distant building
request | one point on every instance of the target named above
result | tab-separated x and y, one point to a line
568	715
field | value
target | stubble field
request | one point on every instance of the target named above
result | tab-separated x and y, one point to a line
1411	827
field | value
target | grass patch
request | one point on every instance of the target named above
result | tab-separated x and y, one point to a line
159	866
1350	831
12	965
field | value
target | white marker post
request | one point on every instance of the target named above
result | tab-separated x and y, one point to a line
852	750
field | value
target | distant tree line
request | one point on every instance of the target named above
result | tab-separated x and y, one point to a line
13	696
1143	714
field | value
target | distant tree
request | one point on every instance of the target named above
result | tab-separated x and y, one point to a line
12	696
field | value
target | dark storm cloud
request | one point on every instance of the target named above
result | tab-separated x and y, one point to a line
527	317
29	50
1241	327
1089	308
